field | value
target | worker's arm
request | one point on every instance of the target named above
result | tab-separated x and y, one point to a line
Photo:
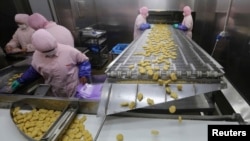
181	27
84	71
28	76
145	26
12	45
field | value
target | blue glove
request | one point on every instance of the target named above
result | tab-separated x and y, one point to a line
15	85
84	69
145	26
149	26
182	27
218	37
222	34
28	76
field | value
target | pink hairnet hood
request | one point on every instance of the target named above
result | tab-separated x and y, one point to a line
37	21
144	11
22	18
187	11
43	41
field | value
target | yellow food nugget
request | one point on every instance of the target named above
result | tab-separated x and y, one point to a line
131	66
76	121
65	138
90	138
156	68
168	90
140	63
172	109
124	104
150	101
78	135
154	132
131	105
147	54
50	112
144	64
34	133
167	62
166	67
180	119
37	138
160	81
150	72
140	96
174	95
119	137
179	87
142	71
148	68
44	128
83	119
19	117
173	76
173	57
71	135
167	82
17	109
155	76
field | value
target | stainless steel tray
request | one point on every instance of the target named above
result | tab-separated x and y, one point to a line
68	112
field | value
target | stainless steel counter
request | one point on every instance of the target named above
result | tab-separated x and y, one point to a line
132	128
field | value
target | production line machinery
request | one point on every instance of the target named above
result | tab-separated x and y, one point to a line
156	65
191	61
150	66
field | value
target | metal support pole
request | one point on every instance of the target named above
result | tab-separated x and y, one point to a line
224	32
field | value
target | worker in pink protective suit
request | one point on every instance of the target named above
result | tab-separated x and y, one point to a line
187	22
141	22
21	40
61	66
61	33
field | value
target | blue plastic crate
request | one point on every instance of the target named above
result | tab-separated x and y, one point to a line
118	48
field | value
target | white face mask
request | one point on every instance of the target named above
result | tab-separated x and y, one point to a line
22	26
50	53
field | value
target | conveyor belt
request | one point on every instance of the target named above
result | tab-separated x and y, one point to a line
191	61
163	51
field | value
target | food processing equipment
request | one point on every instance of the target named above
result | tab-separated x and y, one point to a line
156	65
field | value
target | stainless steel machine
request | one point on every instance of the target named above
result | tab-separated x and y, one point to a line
196	72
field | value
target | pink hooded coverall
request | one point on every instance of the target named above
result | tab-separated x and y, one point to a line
60	70
21	39
188	20
140	19
61	33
